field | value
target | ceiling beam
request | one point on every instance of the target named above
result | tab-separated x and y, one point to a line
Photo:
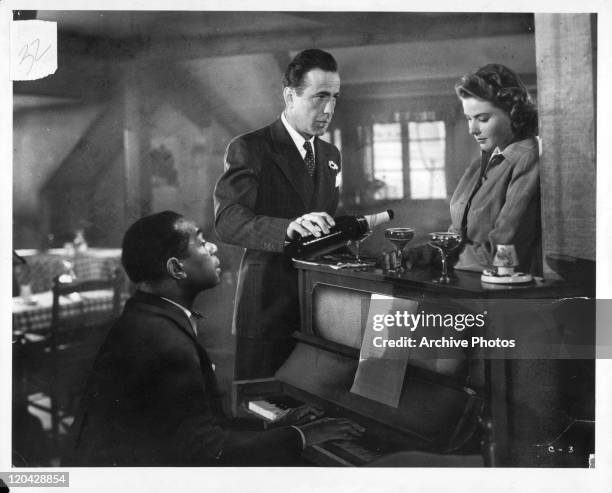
195	99
345	29
411	88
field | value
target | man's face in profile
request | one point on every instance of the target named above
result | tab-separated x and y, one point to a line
309	109
201	265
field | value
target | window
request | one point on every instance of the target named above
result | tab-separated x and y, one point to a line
427	178
388	162
408	159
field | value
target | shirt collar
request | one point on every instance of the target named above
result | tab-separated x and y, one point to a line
191	315
298	140
516	149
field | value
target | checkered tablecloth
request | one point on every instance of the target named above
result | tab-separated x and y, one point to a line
30	318
41	268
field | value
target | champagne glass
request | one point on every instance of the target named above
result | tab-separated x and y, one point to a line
445	243
357	244
399	238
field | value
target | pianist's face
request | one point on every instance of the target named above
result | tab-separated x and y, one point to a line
201	265
310	108
490	125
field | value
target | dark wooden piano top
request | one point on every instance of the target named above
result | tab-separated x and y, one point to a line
465	284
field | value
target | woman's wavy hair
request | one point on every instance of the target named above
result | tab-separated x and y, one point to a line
503	88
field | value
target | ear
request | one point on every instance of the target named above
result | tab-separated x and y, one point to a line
288	96
174	267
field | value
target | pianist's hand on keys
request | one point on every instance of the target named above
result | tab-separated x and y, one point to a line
327	429
300	415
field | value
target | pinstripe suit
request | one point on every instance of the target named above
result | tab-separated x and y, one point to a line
264	187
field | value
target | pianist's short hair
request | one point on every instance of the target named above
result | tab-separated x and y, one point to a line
150	242
304	62
503	88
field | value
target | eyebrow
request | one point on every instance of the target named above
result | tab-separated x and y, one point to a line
327	93
484	113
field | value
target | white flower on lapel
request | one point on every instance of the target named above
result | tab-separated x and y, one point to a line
333	166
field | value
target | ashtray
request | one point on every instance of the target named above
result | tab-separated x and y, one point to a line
493	277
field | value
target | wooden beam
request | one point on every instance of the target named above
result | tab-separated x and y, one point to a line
196	100
411	88
564	50
349	29
137	198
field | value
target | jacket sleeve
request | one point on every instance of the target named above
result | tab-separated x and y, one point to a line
235	198
201	436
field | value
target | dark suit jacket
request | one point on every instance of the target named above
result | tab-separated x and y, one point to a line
152	400
264	187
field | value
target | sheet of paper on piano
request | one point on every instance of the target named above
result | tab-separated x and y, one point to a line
380	374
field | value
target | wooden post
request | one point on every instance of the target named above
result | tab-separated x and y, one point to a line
566	103
135	149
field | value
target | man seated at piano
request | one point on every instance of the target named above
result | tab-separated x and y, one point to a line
152	398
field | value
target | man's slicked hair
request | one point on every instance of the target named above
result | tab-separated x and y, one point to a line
304	62
150	242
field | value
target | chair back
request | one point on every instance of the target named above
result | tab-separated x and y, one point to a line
77	331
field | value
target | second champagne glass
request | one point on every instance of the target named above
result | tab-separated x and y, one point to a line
399	237
445	243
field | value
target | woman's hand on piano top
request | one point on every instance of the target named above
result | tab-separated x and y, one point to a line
327	429
300	415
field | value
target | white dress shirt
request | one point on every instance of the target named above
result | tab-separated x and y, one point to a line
298	140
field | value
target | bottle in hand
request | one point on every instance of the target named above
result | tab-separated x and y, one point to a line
346	228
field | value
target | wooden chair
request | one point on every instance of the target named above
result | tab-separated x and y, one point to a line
72	343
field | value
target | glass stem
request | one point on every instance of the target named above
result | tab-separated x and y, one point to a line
444	271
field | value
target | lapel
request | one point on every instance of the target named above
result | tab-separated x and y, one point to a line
155	304
326	178
288	159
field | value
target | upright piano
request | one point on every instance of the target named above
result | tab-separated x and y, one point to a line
466	410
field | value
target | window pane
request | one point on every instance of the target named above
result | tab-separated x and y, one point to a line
427	184
426	130
393	186
427	160
388	168
428	151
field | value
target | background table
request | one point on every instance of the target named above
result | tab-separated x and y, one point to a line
42	267
33	318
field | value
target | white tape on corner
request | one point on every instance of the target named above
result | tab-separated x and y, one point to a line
33	49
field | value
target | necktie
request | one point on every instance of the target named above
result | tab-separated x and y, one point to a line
309	158
486	162
195	316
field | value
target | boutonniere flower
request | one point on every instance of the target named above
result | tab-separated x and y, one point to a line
333	166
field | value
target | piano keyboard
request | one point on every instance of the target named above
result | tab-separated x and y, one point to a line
349	452
335	453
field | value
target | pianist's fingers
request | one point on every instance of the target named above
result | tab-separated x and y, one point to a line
302	414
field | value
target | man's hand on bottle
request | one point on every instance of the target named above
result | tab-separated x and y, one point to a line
327	429
312	223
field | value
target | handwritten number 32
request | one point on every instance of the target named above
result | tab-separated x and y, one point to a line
32	55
